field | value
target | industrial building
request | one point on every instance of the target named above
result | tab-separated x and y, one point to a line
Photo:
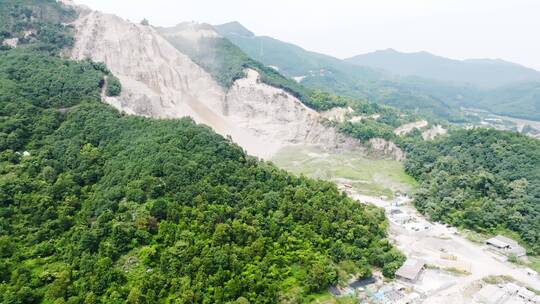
410	270
506	246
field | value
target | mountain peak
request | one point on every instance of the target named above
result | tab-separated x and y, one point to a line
233	28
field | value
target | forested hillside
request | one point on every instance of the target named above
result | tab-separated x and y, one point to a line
227	63
99	207
321	72
420	82
107	207
520	100
36	23
378	121
482	179
486	73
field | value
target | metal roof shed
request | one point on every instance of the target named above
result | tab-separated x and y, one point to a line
410	269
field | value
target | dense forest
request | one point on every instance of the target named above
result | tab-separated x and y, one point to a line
100	207
481	179
37	24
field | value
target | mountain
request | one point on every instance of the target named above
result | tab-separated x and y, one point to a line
322	72
109	194
227	63
291	60
259	108
100	207
485	73
421	82
520	100
509	161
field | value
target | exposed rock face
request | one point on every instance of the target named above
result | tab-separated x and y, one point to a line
434	132
361	117
159	81
277	115
190	31
337	114
12	42
387	148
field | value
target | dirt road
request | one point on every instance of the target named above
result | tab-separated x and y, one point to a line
429	244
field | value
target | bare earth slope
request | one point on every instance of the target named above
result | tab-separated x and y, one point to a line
159	81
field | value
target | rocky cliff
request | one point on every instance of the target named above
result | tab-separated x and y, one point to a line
160	81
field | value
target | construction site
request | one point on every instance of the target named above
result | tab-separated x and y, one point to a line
444	267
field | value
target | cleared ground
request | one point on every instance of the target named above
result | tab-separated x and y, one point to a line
428	246
366	175
367	179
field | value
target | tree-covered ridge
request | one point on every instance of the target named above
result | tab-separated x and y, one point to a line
38	24
402	94
483	73
482	179
97	207
379	121
339	77
227	63
32	94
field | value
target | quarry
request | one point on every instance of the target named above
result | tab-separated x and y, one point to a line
452	269
159	81
442	265
260	118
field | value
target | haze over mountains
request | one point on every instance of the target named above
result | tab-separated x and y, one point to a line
327	73
292	60
418	81
133	169
482	72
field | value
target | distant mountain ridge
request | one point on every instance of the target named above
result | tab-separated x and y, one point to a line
292	60
486	73
327	73
421	81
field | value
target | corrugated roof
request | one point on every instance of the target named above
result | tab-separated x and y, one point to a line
410	269
506	240
497	243
503	242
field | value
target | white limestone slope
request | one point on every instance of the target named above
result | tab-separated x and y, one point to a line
190	31
159	81
408	128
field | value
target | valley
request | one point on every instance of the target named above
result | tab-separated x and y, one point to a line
205	164
356	170
383	183
501	122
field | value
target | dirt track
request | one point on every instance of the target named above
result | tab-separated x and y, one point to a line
429	244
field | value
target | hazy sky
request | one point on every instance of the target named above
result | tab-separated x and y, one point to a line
459	29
